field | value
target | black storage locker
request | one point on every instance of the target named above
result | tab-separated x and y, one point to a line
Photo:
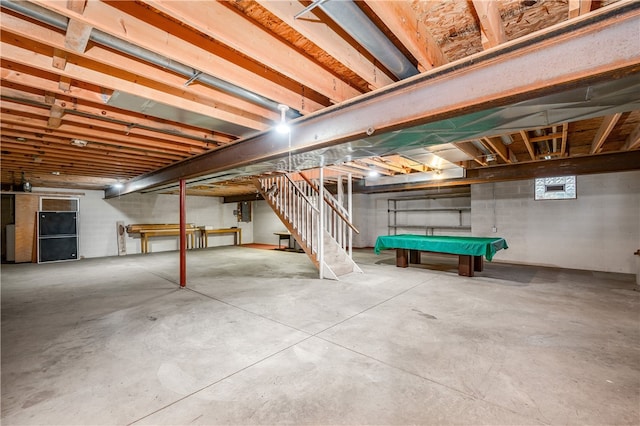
57	236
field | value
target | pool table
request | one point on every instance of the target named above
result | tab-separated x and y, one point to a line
469	249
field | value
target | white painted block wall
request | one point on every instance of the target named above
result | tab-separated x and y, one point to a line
598	231
370	213
265	223
98	217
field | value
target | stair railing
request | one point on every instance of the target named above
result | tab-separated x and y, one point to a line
295	202
337	220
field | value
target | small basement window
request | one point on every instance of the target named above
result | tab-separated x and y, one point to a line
555	188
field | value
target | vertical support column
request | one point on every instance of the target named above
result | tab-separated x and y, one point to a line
350	211
183	233
321	224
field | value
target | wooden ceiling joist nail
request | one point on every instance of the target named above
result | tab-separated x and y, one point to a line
608	123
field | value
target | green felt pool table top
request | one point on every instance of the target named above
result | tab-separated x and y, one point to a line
471	246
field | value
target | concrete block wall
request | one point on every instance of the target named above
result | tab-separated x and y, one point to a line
598	231
370	212
98	218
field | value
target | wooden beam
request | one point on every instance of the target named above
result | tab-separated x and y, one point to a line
407	163
527	143
76	71
65	83
77	36
491	25
88	108
633	140
377	161
608	123
328	40
579	7
111	20
498	147
411	31
552	135
473	152
59	59
583	165
565	134
266	48
446	90
109	58
55	116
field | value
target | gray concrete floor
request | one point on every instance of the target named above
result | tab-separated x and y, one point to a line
257	339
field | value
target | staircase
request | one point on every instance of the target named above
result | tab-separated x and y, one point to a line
323	230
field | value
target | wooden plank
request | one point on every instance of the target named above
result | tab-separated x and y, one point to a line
264	47
608	123
469	149
565	134
579	7
26	208
111	20
491	25
77	36
633	140
25	56
498	147
328	40
527	143
411	31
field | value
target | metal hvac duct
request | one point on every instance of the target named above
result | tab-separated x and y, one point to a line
358	25
100	37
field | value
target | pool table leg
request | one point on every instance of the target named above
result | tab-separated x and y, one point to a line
478	263
414	257
465	265
402	258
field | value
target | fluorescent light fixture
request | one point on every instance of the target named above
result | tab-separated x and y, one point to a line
283	127
55	173
373	173
79	142
118	185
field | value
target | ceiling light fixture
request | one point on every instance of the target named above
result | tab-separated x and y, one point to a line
373	173
21	139
79	142
55	173
118	185
283	127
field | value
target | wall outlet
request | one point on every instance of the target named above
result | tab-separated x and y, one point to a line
494	229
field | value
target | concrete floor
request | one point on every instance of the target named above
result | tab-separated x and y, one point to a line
257	339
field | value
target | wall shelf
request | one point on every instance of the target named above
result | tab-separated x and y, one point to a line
414	213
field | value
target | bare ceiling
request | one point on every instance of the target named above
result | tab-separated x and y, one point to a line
95	93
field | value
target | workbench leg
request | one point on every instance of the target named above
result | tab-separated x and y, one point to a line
239	236
402	258
465	265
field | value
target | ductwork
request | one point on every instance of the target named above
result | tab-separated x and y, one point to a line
58	21
358	25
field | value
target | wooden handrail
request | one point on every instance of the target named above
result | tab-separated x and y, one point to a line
329	203
301	193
